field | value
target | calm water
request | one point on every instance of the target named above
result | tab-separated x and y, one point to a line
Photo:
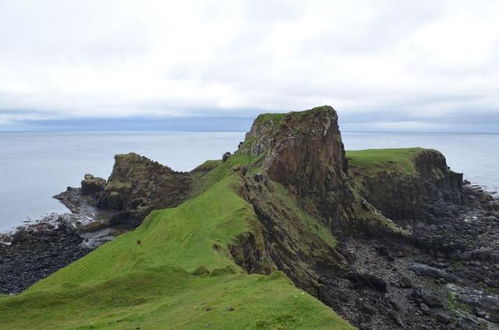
35	166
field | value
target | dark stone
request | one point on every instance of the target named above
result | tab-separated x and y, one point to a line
428	297
405	282
425	308
226	156
368	281
36	252
92	185
258	177
442	317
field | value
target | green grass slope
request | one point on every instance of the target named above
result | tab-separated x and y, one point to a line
172	272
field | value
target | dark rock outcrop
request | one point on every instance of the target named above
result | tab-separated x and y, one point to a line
304	152
285	241
91	185
429	189
138	185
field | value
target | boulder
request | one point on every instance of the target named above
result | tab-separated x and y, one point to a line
91	185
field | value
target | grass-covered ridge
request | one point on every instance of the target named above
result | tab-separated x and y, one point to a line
172	272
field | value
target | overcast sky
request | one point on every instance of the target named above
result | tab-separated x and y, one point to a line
384	64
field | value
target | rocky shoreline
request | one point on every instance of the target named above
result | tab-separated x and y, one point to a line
37	250
446	279
34	251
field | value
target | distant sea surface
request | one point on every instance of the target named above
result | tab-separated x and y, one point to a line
36	166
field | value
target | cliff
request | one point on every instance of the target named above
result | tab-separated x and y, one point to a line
263	238
406	184
304	152
138	185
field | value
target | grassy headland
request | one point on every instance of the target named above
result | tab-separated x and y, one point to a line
172	272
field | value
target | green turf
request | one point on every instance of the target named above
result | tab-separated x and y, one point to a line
374	160
145	278
218	170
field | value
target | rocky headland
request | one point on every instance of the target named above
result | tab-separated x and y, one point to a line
388	238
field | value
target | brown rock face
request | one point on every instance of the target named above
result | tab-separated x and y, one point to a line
440	183
91	185
431	189
298	146
139	185
304	152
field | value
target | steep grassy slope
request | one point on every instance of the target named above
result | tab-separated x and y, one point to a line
172	272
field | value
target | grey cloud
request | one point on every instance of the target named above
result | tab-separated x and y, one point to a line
378	63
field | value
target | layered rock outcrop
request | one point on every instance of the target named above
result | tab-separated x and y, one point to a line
138	185
304	152
423	188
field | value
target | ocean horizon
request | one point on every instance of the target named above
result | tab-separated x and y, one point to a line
34	166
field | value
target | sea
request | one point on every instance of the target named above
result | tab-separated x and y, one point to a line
34	166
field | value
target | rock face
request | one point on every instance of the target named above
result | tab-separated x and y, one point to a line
300	189
284	239
304	152
440	184
423	189
91	185
298	144
138	185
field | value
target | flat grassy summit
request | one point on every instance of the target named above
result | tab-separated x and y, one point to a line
237	243
404	183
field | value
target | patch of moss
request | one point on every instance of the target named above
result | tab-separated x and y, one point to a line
201	271
117	185
219	170
277	118
454	304
207	165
